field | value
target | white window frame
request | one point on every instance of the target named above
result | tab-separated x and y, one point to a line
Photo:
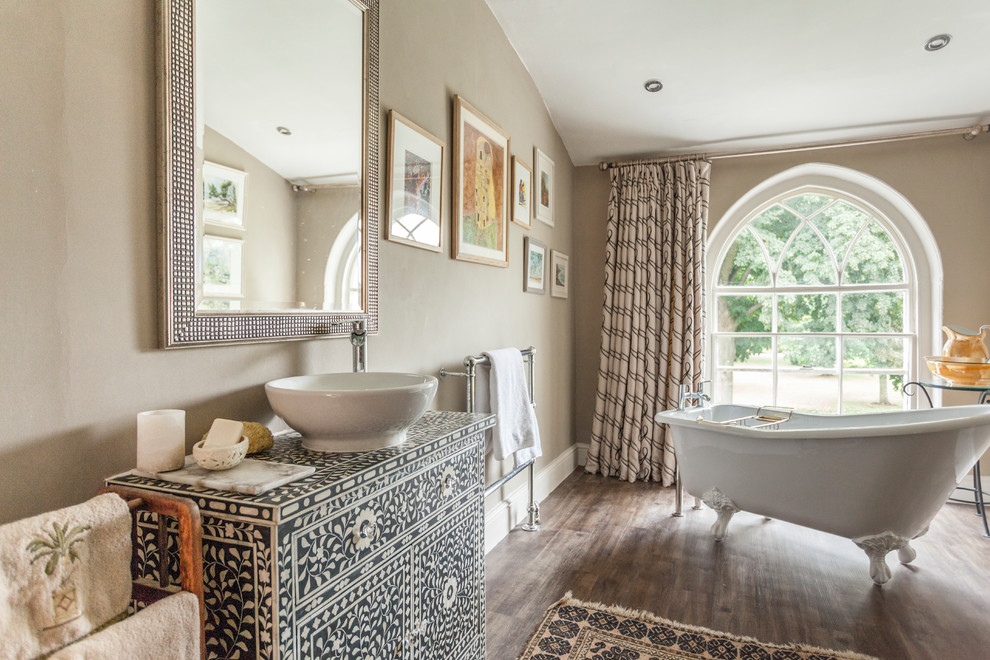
908	229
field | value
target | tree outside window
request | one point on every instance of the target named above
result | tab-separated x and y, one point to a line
811	307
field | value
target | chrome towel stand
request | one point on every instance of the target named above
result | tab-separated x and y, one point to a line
471	364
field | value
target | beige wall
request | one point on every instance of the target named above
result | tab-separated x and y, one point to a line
269	231
946	179
319	216
78	270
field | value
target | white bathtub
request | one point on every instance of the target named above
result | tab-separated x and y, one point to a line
877	479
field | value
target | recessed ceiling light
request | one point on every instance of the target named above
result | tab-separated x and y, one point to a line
653	85
938	42
283	130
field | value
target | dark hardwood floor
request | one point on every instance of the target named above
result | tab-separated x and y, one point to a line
613	542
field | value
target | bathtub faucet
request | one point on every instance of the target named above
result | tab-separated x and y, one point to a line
699	397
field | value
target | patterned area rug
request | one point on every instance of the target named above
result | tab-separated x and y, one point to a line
572	630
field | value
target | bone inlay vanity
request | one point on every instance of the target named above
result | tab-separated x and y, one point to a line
378	554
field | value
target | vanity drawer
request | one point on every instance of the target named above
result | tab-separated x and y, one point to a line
372	529
366	621
448	583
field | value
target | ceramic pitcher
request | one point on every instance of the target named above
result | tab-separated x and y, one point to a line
963	343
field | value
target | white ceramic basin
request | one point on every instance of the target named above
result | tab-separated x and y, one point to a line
351	411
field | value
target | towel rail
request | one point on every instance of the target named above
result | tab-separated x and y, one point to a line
470	373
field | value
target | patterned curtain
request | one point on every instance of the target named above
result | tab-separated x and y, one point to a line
654	313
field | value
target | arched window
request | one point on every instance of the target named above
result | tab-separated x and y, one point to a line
825	293
343	274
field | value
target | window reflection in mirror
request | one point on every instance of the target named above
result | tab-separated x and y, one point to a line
279	107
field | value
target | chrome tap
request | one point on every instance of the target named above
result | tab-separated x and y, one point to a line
700	398
359	341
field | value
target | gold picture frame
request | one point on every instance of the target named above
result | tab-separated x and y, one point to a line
480	188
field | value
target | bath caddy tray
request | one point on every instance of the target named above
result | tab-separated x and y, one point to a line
765	417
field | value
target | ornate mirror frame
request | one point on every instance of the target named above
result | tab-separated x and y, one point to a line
180	323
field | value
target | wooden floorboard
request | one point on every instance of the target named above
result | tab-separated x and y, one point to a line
614	542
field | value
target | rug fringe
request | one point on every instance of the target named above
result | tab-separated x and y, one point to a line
644	615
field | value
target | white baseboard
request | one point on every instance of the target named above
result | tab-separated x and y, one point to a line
582	453
514	507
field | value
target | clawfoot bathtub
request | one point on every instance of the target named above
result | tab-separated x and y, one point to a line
877	479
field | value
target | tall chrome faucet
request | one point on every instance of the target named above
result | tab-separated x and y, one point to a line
359	342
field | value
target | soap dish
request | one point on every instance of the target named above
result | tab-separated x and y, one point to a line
220	458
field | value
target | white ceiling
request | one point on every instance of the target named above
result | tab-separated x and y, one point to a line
263	64
745	75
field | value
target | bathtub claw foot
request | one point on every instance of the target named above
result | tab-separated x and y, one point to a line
724	507
878	546
907	554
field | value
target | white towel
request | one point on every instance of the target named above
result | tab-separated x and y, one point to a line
63	574
516	432
167	629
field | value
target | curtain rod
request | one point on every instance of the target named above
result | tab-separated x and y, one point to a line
967	133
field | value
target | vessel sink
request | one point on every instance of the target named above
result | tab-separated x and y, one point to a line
347	412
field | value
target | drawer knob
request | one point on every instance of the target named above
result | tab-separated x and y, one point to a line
448	481
366	530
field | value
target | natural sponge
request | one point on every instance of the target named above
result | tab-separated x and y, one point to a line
259	437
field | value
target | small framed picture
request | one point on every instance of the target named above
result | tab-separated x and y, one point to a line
522	194
481	182
415	185
559	274
223	195
222	266
543	175
534	266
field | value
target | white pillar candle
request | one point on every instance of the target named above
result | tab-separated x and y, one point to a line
161	440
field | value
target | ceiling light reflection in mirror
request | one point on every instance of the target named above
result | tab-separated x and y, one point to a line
279	111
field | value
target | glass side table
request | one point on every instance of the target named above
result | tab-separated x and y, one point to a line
979	496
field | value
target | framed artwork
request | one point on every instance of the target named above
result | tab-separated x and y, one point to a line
415	185
223	195
534	266
559	274
481	183
222	265
543	186
522	193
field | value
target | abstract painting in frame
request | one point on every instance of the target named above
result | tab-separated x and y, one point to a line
560	274
543	199
223	195
415	185
522	193
534	266
481	182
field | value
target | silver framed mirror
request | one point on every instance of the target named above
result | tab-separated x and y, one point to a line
270	235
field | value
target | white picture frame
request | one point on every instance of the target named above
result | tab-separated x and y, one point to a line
534	266
222	267
522	194
415	185
223	195
543	186
560	274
